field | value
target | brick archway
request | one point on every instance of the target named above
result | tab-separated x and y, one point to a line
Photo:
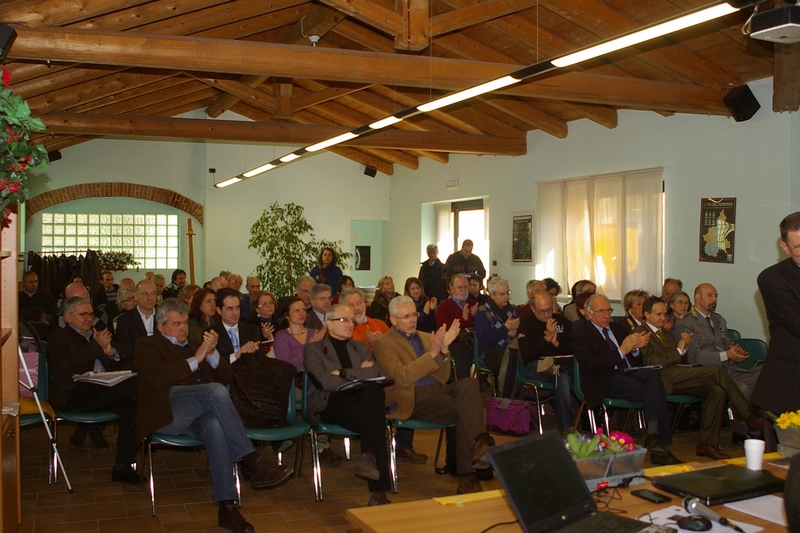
106	190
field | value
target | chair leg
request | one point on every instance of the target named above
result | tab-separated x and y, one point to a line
55	438
238	483
150	475
392	440
592	421
438	450
606	419
681	407
316	465
346	443
298	456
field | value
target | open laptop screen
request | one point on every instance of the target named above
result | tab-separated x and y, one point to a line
541	481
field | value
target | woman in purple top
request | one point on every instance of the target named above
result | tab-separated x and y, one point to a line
290	341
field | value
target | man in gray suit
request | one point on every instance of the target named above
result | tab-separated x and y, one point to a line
334	361
711	344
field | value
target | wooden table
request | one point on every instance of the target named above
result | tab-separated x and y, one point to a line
473	517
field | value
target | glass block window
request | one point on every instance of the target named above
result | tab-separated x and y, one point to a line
152	239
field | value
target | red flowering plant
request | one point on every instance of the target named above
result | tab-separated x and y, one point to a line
17	154
581	446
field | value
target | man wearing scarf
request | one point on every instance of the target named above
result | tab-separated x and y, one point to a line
496	323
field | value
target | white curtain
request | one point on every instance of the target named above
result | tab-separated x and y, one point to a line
608	229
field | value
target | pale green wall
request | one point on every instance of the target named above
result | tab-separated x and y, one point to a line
755	161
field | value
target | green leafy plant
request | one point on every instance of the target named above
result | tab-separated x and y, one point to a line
17	154
116	260
286	242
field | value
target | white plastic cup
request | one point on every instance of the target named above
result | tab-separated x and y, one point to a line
754	453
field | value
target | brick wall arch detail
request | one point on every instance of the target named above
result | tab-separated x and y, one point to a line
106	190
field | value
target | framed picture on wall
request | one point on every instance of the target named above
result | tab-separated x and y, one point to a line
363	257
522	238
717	230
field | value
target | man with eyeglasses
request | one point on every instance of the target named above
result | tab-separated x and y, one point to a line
320	296
496	323
462	308
609	356
334	361
418	364
78	348
544	334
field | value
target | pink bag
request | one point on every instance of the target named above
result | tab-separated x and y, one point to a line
512	417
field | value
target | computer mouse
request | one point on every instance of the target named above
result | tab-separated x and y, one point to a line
694	523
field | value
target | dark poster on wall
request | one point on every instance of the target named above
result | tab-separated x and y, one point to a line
717	230
363	258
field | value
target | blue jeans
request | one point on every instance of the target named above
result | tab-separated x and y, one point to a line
206	413
561	395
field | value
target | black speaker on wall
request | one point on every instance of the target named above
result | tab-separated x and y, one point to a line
742	103
370	171
54	155
7	37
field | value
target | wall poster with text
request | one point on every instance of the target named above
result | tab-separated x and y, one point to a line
717	230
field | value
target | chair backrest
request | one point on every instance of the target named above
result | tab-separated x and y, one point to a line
734	334
757	350
291	411
576	382
304	401
475	353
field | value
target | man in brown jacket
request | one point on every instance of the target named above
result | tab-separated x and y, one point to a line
418	364
182	391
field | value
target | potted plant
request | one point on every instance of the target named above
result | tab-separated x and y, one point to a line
116	260
17	154
602	457
787	427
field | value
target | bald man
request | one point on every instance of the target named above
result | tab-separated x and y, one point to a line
138	322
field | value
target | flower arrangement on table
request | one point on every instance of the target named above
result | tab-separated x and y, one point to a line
581	446
17	154
787	428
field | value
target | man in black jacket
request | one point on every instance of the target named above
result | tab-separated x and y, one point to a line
235	337
431	274
138	322
608	356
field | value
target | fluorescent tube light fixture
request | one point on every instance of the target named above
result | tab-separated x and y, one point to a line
229	181
646	34
330	142
258	170
388	121
289	157
483	88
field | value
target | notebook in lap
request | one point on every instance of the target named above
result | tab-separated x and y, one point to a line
721	484
546	490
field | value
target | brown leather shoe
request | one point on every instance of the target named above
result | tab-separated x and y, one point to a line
709	450
468	483
330	458
410	456
483	442
366	467
378	498
78	438
230	518
266	475
98	441
663	456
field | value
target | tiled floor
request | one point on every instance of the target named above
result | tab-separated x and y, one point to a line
183	490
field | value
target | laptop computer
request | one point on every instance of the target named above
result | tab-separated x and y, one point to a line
547	491
721	484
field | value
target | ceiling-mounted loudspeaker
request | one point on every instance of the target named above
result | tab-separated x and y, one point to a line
7	37
742	103
55	155
370	171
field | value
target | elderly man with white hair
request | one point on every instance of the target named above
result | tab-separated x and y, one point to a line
496	323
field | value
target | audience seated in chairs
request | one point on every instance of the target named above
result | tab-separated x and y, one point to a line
182	391
632	303
334	361
496	324
462	308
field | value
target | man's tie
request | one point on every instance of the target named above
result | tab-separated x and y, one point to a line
234	339
662	338
710	323
614	346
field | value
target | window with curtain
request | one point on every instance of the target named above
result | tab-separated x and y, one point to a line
609	229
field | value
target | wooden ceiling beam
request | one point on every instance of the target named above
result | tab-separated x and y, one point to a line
674	60
136	97
60	12
786	78
325	95
477	14
529	114
64	79
364	36
605	116
415	35
366	67
370	12
279	133
139	15
85	94
253	97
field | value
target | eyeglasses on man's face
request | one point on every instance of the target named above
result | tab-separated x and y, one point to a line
344	320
